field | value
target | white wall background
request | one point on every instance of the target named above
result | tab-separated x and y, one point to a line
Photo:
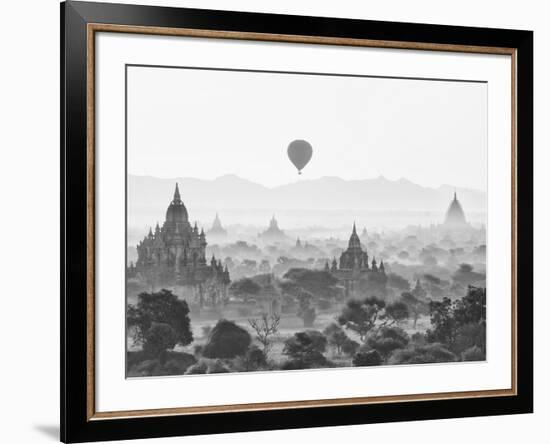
29	222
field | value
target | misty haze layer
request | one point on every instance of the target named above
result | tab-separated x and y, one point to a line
328	201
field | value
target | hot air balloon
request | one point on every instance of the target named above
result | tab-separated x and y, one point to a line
299	152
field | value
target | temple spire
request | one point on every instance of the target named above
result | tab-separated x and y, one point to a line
177	197
354	241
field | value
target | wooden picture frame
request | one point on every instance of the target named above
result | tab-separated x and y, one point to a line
80	420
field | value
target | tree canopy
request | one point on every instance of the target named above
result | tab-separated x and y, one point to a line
336	336
320	283
415	305
450	319
399	282
265	327
361	315
159	338
388	339
305	349
422	354
245	287
465	275
227	340
367	358
162	307
396	312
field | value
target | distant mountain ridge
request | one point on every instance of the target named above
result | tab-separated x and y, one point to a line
150	194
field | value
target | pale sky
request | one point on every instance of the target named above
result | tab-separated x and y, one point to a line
205	124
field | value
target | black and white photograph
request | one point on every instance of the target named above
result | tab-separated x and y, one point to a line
282	221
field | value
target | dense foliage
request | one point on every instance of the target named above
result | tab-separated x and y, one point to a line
245	288
367	358
162	307
158	339
388	339
459	324
422	354
415	305
336	336
160	321
320	283
306	349
361	316
227	340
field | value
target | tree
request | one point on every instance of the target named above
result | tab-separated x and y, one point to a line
415	305
465	275
422	354
217	366
226	341
432	279
403	255
336	336
306	310
319	283
349	347
265	266
288	304
207	366
367	359
459	324
199	368
372	283
289	288
306	348
473	354
159	338
162	307
395	313
253	359
245	288
398	282
443	323
433	285
470	335
465	268
472	307
388	339
265	327
361	315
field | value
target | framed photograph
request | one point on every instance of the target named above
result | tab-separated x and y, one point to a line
275	221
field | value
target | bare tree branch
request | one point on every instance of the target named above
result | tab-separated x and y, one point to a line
265	327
